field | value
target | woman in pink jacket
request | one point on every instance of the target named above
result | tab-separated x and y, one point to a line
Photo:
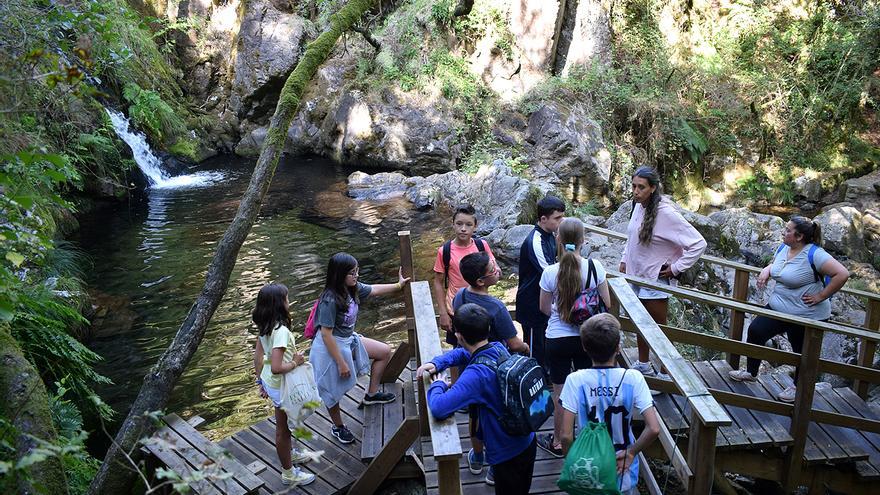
660	245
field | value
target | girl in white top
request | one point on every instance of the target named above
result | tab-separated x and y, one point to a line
561	284
275	355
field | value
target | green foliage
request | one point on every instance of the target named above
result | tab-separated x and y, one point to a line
581	210
149	112
186	148
486	149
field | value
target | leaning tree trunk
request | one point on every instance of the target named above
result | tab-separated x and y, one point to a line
25	404
116	474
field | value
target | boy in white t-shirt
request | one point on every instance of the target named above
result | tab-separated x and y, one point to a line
608	394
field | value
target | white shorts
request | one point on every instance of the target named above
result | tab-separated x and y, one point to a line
649	293
274	394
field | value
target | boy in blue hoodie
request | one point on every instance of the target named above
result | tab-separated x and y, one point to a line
512	458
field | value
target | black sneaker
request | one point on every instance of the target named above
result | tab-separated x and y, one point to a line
379	398
546	443
342	434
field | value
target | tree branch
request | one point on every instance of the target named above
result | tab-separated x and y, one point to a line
367	36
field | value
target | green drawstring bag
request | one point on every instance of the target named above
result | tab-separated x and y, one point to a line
590	468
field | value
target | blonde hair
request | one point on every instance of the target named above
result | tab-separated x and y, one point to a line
568	281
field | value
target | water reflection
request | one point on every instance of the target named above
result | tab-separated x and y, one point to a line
156	254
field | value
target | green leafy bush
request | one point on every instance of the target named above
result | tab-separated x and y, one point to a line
148	111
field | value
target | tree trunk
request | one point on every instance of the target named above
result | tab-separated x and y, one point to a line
25	404
116	474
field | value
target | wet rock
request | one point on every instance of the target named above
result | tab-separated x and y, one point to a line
566	143
757	235
842	230
109	315
381	186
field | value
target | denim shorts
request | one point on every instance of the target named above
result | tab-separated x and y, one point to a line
648	293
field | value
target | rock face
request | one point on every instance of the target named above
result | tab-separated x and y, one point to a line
842	230
757	235
500	198
270	42
565	144
589	37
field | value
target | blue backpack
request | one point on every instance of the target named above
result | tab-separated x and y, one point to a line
525	392
819	277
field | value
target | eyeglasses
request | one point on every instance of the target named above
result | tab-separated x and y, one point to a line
495	271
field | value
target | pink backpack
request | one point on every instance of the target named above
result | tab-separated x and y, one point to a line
310	329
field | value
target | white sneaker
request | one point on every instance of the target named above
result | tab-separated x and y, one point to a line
299	456
297	477
741	376
787	395
644	368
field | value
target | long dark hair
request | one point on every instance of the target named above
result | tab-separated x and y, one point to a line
271	310
568	280
811	230
646	232
337	269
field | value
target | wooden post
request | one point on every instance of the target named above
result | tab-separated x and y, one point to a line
867	348
701	455
737	318
808	371
448	477
406	265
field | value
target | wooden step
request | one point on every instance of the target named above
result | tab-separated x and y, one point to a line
381	421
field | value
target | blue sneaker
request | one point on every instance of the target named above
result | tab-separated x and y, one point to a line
490	477
475	462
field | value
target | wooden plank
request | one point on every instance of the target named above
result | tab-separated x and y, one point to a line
448	476
443	433
252	453
737	318
333	453
710	412
672	416
754	435
648	476
241	474
175	461
392	414
868	348
406	433
407	270
676	458
371	442
847	438
398	362
808	372
410	410
871	440
778	433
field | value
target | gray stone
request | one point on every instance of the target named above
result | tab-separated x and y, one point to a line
506	243
590	37
269	45
566	143
757	235
842	230
381	186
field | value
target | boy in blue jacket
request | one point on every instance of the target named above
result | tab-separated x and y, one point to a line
512	458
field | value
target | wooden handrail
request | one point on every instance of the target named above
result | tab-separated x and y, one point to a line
686	380
706	413
444	433
728	303
727	263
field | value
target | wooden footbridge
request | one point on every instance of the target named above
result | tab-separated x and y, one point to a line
829	437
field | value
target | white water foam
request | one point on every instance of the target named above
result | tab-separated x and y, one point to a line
150	164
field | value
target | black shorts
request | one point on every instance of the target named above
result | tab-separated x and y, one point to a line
564	355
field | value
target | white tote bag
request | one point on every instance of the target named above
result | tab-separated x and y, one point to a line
297	388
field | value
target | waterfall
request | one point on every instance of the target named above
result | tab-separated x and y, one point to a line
150	164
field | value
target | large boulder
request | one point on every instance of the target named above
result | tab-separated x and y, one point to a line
500	198
585	38
757	235
842	230
565	144
506	243
269	45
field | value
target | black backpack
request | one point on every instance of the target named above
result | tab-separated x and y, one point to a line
447	256
525	393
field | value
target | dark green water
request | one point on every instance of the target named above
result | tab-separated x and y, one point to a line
154	254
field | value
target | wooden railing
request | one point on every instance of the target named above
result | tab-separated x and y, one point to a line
742	273
444	433
706	413
808	362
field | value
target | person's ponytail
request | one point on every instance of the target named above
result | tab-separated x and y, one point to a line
817	233
568	280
